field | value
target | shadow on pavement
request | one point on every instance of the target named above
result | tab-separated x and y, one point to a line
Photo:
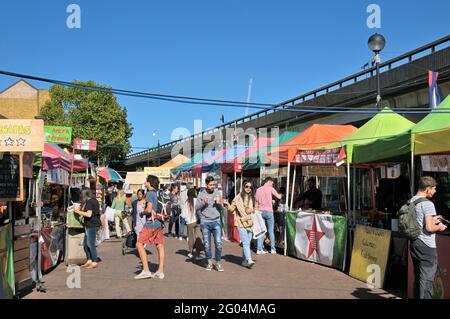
233	259
366	293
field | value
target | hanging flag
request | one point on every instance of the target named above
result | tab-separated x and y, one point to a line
318	238
433	90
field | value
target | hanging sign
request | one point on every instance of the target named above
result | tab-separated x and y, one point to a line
11	181
330	156
436	163
21	135
85	145
58	134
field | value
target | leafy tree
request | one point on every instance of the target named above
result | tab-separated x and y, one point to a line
93	115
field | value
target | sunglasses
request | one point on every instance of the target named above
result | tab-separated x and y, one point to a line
248	186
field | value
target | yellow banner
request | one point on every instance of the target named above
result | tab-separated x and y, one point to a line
370	255
160	172
21	135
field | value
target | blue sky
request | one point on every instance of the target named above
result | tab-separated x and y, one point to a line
206	49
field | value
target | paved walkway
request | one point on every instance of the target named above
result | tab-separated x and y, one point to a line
273	277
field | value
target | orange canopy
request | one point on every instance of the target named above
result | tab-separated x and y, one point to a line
313	137
176	161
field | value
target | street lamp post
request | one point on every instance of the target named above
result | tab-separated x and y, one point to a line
376	43
156	134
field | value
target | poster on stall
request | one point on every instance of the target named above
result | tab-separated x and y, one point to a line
436	163
319	238
58	134
7	282
370	255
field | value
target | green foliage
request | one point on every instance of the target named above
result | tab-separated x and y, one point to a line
93	116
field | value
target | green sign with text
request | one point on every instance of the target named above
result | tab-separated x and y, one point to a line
58	134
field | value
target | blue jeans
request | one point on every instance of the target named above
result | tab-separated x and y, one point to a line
89	243
215	229
270	224
246	237
181	232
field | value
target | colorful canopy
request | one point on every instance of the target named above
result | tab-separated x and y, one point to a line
109	174
236	164
214	156
432	133
386	124
196	159
54	157
314	137
229	156
273	147
176	161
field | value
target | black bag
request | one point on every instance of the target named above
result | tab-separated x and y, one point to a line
131	239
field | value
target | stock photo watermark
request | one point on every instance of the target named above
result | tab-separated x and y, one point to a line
73	281
374	19
374	279
74	19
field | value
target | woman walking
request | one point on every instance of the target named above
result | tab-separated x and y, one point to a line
138	207
118	205
90	210
193	226
243	206
175	210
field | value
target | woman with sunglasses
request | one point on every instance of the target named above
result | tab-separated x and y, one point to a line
243	206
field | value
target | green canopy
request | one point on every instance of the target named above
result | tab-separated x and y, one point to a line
431	135
386	124
260	161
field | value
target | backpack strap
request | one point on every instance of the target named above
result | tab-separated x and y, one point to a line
420	200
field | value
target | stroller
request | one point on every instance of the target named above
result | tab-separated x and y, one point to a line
130	240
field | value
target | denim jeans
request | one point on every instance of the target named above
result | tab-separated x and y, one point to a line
425	265
89	243
215	229
270	224
246	237
181	226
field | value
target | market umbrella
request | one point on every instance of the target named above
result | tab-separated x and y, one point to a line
109	174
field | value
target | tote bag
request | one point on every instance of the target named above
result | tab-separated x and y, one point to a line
259	226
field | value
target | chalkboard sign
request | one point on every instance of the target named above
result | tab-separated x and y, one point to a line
11	183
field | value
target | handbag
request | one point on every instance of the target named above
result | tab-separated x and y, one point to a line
259	226
247	221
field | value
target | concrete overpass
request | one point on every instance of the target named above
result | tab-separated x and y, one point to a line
404	84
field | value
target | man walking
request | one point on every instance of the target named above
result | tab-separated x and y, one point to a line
264	198
423	249
209	203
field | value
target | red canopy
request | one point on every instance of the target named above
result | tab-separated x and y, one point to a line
54	156
316	136
236	163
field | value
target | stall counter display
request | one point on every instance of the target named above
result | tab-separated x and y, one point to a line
317	237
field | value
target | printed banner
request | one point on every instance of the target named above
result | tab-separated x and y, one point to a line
21	135
58	134
436	163
319	238
85	145
7	281
330	156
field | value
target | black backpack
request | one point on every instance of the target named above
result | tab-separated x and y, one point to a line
408	226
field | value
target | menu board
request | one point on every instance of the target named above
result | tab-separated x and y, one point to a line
11	183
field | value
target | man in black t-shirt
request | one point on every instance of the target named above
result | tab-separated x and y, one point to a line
312	198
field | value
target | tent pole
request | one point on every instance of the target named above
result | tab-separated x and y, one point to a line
286	206
293	187
348	188
412	173
235	181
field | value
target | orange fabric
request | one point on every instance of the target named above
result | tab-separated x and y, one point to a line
176	161
314	137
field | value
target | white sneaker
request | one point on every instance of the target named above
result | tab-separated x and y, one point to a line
273	252
190	255
157	275
144	275
180	238
261	252
248	263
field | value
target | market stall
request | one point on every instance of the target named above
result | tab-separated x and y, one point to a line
321	165
430	139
